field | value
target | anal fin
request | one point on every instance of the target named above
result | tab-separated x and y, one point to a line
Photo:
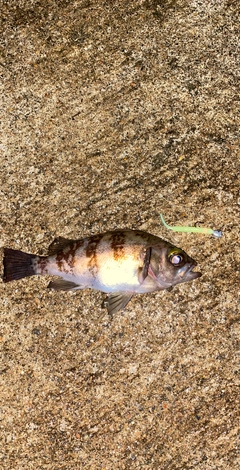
116	301
61	284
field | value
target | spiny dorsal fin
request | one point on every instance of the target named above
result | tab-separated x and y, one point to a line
58	244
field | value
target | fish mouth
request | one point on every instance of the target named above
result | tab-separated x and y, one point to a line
187	273
192	274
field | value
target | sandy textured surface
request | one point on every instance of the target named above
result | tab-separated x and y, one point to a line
112	112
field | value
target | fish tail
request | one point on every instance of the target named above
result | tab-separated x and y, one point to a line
17	265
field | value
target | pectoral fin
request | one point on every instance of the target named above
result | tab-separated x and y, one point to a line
61	284
143	272
116	301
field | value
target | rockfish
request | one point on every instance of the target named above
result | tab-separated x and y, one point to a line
121	263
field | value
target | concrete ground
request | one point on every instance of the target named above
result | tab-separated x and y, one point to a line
113	112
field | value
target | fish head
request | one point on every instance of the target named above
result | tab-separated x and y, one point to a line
170	265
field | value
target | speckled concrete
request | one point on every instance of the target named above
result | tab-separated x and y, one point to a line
112	112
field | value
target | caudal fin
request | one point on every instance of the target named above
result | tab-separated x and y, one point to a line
17	265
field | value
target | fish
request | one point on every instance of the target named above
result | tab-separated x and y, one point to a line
120	263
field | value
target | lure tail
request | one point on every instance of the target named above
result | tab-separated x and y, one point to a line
17	265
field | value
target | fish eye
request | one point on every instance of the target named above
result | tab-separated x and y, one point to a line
175	259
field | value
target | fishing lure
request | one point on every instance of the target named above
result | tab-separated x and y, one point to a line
182	228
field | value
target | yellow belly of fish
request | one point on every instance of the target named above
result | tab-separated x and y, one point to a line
118	274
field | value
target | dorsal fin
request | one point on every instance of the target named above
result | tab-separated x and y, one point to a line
59	244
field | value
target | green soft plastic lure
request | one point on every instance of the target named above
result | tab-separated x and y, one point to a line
182	228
